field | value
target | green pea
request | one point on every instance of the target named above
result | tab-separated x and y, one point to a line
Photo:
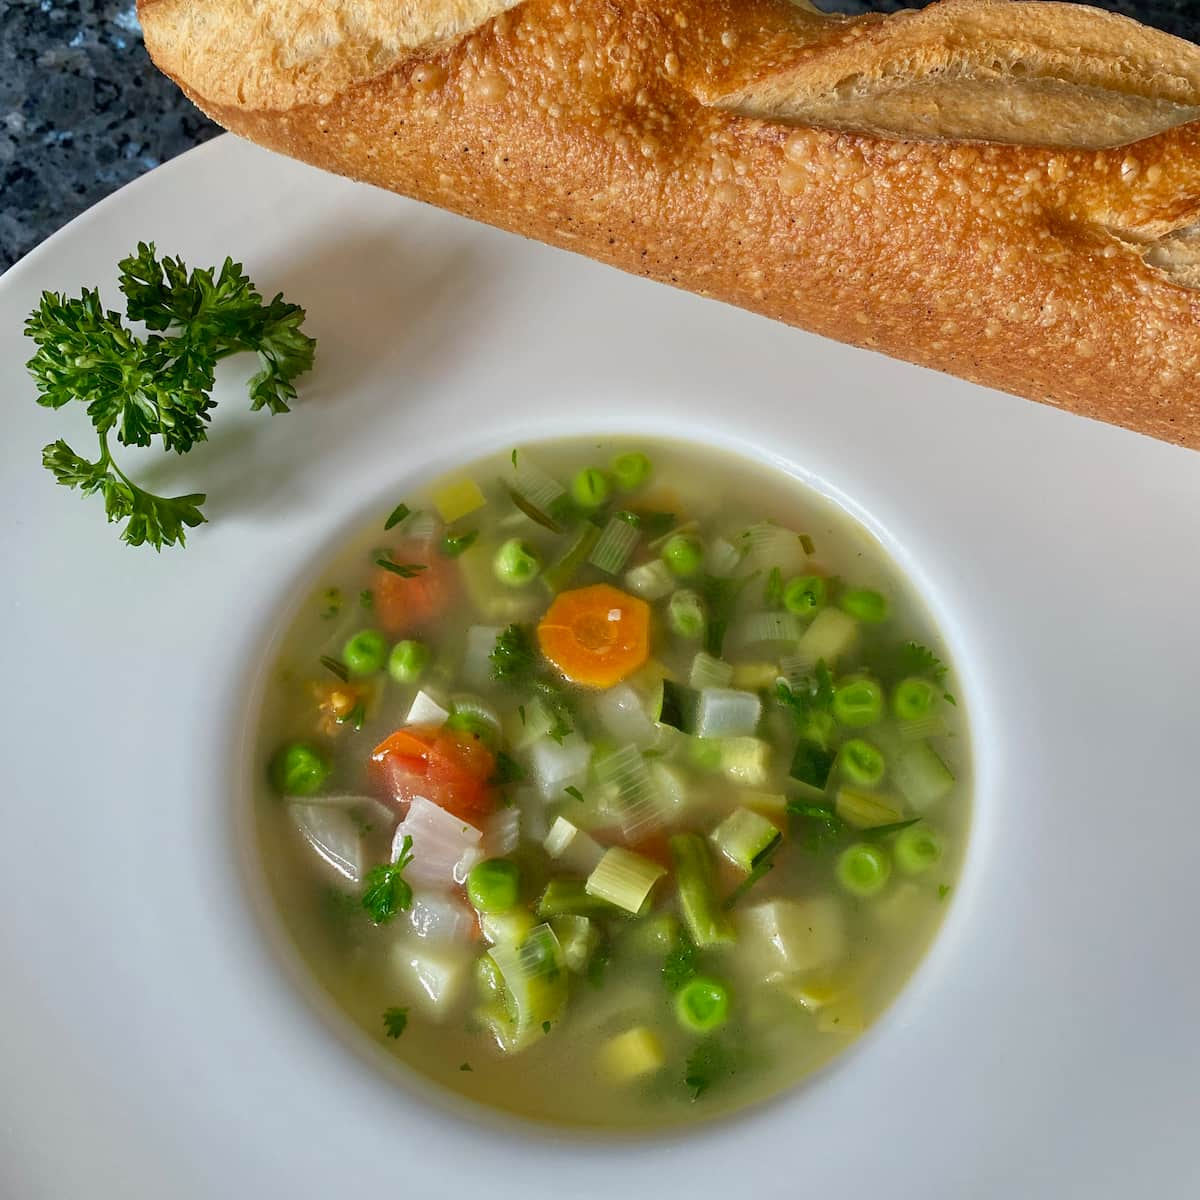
684	554
365	652
299	769
516	563
868	606
494	885
630	470
590	488
804	595
407	661
702	1005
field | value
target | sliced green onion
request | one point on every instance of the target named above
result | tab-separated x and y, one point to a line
702	1005
745	838
616	544
917	849
630	470
698	902
858	703
861	762
865	605
914	699
686	614
805	595
863	869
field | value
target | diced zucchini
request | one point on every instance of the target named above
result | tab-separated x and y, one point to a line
811	764
631	1055
745	760
457	499
678	706
744	837
831	635
921	776
624	879
862	810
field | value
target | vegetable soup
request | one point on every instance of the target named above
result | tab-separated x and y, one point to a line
612	784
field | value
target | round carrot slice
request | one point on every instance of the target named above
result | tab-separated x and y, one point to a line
596	636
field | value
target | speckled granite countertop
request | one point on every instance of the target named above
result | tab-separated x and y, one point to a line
82	110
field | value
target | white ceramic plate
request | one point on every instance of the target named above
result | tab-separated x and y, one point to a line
150	1043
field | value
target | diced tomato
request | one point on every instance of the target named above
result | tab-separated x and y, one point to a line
450	769
408	605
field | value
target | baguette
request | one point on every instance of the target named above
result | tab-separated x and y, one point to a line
1004	190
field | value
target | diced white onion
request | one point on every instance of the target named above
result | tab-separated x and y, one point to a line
651	580
721	558
425	710
623	715
502	832
727	712
477	655
441	918
334	834
439	841
768	545
554	766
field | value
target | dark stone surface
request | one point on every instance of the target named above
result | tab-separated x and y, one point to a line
83	111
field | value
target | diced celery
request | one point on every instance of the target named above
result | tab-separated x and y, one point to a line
457	499
426	710
511	927
578	937
709	672
615	545
763	627
744	837
770	804
640	806
727	713
921	776
793	935
632	1055
576	850
831	635
624	879
754	676
570	896
707	923
745	760
862	810
535	979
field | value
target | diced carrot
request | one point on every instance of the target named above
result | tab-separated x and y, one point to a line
408	605
596	636
450	769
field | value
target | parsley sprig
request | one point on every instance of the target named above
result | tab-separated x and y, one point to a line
386	891
136	389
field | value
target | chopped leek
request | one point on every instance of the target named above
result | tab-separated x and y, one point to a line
624	879
616	544
702	913
745	838
579	938
710	672
831	635
762	627
560	573
640	805
863	811
535	979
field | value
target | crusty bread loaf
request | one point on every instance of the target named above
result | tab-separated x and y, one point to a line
1007	191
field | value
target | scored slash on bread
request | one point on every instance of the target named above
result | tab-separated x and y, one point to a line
1005	190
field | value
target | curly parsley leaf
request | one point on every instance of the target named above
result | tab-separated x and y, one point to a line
404	570
395	1021
914	659
138	389
386	891
679	966
513	659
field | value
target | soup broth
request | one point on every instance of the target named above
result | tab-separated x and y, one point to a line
612	784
